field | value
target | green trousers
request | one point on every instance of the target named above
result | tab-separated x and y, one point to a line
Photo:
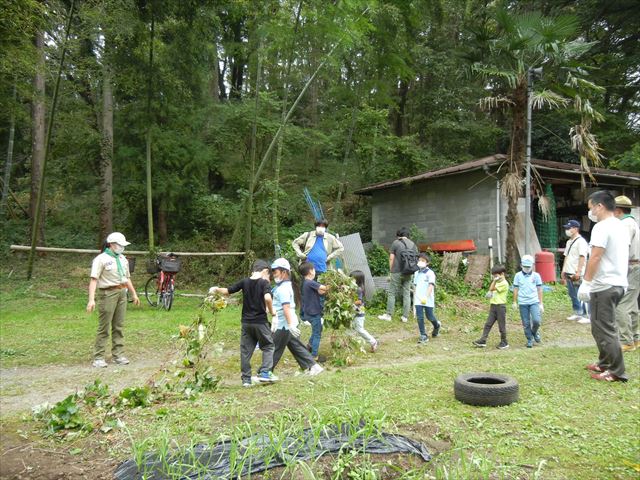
627	310
112	307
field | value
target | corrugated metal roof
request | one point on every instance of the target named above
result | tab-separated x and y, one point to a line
494	160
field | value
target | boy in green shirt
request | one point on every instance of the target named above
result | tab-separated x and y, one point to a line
498	291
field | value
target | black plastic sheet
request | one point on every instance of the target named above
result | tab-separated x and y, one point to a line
206	462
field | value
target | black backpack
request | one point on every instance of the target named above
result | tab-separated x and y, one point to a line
408	260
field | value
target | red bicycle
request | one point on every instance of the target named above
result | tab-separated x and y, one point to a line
160	288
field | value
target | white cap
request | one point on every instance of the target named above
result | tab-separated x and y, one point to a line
526	261
117	237
282	263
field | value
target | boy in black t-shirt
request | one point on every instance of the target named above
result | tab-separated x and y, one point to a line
312	303
256	302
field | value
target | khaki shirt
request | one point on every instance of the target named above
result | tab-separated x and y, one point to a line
305	242
634	237
105	269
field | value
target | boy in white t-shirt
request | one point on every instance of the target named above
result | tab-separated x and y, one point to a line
424	281
604	284
576	252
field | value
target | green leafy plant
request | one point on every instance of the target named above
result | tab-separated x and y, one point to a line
94	392
65	415
378	259
340	299
135	397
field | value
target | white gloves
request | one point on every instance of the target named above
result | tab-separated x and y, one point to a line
514	305
306	324
212	290
489	295
584	292
541	308
273	326
295	331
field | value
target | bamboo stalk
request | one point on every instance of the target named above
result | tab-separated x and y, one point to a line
24	248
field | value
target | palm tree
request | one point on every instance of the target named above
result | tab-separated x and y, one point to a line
517	43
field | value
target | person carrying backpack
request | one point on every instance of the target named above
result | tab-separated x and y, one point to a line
403	262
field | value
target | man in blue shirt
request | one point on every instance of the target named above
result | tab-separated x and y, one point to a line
318	246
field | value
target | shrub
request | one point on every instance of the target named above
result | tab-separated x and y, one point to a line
378	259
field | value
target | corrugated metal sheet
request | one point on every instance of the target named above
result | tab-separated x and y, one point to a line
355	258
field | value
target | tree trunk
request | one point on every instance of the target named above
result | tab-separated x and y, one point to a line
9	164
237	63
38	133
162	221
516	164
106	156
400	119
214	79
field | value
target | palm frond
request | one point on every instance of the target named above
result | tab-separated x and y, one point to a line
495	103
511	185
585	144
586	108
548	98
486	71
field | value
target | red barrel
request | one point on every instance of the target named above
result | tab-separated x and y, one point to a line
546	266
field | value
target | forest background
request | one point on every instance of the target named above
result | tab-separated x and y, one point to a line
197	89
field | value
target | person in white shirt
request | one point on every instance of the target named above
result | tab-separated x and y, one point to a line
575	263
627	311
604	284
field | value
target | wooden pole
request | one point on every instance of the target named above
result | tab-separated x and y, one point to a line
25	248
36	218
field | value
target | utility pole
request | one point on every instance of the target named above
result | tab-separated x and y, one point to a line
532	73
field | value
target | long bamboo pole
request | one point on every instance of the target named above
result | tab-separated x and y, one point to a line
148	137
9	164
24	248
36	217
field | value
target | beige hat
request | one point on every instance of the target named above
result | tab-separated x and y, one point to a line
623	201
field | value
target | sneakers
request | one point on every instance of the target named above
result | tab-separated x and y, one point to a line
480	343
121	361
594	367
404	319
99	363
436	330
529	343
584	321
423	340
574	317
246	384
374	346
502	346
267	377
315	370
537	338
607	376
630	347
386	317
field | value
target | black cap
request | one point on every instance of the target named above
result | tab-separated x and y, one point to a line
259	265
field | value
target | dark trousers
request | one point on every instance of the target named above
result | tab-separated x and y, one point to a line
604	330
496	313
283	339
255	334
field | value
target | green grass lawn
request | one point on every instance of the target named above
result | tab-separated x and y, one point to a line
565	426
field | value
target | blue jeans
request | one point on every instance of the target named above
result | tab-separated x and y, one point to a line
421	311
579	308
316	333
530	316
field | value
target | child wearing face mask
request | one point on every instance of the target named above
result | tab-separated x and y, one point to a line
527	297
498	291
111	278
358	322
424	281
285	329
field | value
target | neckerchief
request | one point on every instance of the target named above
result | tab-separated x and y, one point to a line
110	252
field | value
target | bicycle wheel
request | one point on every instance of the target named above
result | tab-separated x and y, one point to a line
167	297
151	291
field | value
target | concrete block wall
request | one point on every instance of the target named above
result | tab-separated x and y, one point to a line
455	207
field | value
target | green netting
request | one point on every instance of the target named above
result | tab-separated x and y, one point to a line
547	227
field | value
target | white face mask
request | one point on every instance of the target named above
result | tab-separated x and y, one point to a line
320	230
527	269
497	278
422	264
568	233
592	216
117	249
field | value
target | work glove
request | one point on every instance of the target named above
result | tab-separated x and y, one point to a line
273	326
584	292
514	305
541	308
295	331
489	295
322	321
306	323
212	290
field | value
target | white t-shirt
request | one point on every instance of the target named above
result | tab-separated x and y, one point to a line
576	248
611	235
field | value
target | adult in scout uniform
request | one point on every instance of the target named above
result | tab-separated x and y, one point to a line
318	246
110	276
627	310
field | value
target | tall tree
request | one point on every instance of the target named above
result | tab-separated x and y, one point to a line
38	107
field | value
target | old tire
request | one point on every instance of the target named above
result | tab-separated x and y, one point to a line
486	389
